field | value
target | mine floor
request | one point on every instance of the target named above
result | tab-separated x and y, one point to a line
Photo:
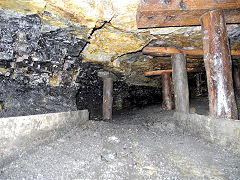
137	144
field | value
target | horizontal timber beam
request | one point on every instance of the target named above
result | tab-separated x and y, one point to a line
169	51
163	13
160	72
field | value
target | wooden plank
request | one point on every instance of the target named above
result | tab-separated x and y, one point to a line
180	83
163	13
160	72
169	51
218	64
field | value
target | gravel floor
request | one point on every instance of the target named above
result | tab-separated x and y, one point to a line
137	144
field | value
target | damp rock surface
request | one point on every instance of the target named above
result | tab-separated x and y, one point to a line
137	144
38	68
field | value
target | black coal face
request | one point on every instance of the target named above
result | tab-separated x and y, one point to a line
89	94
195	91
22	99
141	96
37	68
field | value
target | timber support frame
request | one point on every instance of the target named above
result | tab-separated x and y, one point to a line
212	15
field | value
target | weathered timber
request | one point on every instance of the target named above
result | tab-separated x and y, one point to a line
236	77
157	72
160	51
218	66
169	51
180	82
162	13
108	79
168	103
107	98
198	84
160	72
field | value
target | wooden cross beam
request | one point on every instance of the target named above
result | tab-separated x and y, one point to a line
169	51
160	72
163	13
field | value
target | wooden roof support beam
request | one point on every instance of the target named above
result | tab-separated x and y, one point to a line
163	13
169	51
160	72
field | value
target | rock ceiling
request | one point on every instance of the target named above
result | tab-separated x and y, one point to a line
110	28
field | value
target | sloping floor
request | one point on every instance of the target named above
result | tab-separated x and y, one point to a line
137	144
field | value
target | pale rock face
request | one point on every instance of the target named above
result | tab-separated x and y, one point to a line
109	43
89	13
125	14
93	13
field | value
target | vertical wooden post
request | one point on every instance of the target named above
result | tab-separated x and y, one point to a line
218	66
180	82
198	83
108	79
236	79
168	103
107	98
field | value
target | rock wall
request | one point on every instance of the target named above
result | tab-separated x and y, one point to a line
38	68
42	70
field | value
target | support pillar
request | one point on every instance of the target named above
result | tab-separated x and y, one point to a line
107	94
198	83
180	82
168	103
236	77
107	98
218	66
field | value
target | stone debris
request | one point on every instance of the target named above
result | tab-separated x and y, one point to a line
113	139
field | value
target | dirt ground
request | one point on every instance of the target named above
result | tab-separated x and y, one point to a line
137	144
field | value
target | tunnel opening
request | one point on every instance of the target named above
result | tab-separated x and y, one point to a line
65	65
90	93
198	93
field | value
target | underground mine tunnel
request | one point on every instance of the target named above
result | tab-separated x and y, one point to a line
108	89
